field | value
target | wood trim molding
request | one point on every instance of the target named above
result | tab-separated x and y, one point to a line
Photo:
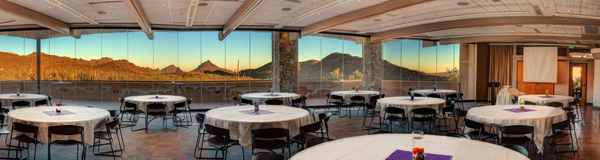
30	15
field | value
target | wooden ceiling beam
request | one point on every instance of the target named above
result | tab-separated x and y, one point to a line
29	15
482	22
360	14
239	16
137	11
509	38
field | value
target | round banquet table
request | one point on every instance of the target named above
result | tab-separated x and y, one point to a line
89	118
404	102
262	97
143	101
541	118
352	93
241	124
543	100
441	92
380	146
8	99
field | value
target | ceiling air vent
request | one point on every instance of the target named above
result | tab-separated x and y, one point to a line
537	10
536	30
103	2
591	30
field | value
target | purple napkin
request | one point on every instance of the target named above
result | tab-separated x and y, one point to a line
407	155
408	99
517	110
355	91
546	97
159	97
18	95
62	113
252	113
271	95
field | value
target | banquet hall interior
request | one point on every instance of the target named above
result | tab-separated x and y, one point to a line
299	79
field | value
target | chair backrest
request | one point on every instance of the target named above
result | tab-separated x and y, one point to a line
21	104
519	149
112	125
179	105
394	110
297	102
571	116
304	98
210	129
130	105
336	97
516	130
156	108
434	96
200	120
382	95
274	102
460	112
417	95
452	96
235	100
461	95
2	116
41	102
372	102
317	141
271	133
65	130
245	101
555	104
563	125
472	124
327	95
121	100
324	116
50	100
424	111
573	104
382	132
454	135
113	113
375	97
25	128
310	127
530	103
267	156
358	99
189	101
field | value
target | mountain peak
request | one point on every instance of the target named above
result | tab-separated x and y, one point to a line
171	69
207	66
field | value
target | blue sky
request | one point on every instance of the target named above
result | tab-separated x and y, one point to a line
187	50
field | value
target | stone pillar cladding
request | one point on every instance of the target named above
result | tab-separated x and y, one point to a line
285	61
372	66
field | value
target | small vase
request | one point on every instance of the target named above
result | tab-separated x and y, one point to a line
58	110
156	96
256	110
522	108
412	98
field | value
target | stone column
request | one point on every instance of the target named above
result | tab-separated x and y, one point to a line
285	61
372	66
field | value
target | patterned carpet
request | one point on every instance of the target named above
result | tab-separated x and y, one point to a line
157	144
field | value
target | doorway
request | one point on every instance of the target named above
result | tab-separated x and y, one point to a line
578	81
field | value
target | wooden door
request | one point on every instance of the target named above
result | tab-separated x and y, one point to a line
583	72
529	87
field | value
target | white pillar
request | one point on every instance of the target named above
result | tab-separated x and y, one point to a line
596	99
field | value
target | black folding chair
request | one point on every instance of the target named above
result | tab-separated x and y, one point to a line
371	113
359	101
274	102
220	141
112	130
324	117
317	141
392	115
424	116
66	130
434	96
132	110
43	102
235	101
305	134
560	131
513	135
270	139
267	156
20	104
23	139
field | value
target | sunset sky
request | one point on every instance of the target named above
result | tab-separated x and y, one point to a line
187	50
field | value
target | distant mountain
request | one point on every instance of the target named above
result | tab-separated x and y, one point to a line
262	72
307	63
171	69
209	67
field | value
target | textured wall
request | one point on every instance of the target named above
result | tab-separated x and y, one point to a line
372	66
285	61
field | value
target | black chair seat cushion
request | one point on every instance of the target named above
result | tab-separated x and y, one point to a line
66	142
270	144
220	141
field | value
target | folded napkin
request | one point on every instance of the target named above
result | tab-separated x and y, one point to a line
407	155
252	113
159	97
271	95
546	97
408	99
62	113
517	110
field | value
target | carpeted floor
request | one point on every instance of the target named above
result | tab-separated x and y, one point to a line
157	144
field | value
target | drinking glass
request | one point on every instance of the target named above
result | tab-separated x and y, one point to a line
418	148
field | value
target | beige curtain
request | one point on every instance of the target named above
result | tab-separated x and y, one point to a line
500	65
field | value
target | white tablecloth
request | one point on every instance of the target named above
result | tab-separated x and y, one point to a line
241	124
541	119
543	100
352	93
262	97
143	101
379	147
408	105
504	97
7	99
441	92
89	118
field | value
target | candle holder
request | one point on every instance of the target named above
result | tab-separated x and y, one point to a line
156	94
256	109
522	107
434	87
418	148
58	108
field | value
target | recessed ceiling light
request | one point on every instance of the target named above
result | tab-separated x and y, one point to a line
110	6
164	4
76	19
469	32
463	3
319	13
568	10
286	9
264	12
124	20
377	20
101	12
215	10
49	6
168	20
512	31
558	31
359	0
202	4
